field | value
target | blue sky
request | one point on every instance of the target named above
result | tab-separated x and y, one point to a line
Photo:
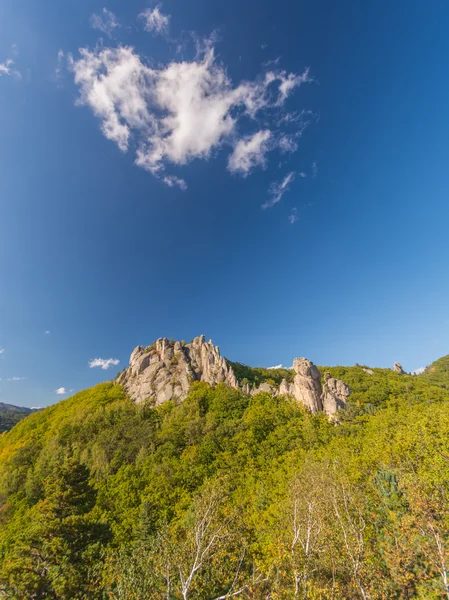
271	174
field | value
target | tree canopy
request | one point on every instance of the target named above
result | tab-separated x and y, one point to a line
227	495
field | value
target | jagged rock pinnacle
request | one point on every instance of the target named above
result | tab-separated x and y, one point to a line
165	370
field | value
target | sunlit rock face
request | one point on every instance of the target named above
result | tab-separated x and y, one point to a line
165	370
307	389
397	368
335	395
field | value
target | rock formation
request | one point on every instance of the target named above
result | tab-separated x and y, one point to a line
165	370
306	385
397	368
335	395
306	388
369	371
263	387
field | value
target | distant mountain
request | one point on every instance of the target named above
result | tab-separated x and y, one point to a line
10	415
16	409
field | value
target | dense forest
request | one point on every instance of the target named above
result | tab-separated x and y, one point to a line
231	496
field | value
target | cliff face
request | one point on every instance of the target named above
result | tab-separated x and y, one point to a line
307	389
306	386
166	369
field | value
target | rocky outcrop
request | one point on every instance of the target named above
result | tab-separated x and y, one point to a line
306	385
397	368
165	370
263	387
369	371
335	395
307	390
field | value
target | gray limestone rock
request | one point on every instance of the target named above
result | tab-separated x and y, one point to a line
307	384
307	389
165	370
335	395
264	387
397	368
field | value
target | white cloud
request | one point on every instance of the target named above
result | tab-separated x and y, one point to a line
179	112
105	22
250	152
418	371
293	216
60	391
278	189
302	174
13	379
314	168
155	20
104	363
276	367
2	350
47	332
172	180
7	69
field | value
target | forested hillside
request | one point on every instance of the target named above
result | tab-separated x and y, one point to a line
227	495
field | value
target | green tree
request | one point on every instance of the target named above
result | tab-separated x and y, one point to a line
56	554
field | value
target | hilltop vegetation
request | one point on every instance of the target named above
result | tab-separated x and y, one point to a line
227	495
438	372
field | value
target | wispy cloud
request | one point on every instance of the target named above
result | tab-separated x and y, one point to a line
12	379
155	20
60	65
250	152
2	350
288	143
185	110
6	68
105	22
47	332
275	367
104	363
293	216
314	169
277	190
172	181
60	391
